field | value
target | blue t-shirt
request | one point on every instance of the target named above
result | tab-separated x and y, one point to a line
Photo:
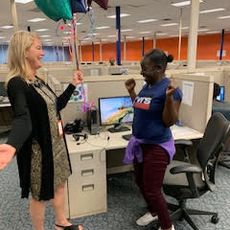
148	110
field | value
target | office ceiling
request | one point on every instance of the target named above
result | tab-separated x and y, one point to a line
162	10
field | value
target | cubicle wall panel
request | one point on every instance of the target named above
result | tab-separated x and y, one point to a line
195	110
110	88
87	184
227	84
102	86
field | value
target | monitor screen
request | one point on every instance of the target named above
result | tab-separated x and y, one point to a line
115	110
220	97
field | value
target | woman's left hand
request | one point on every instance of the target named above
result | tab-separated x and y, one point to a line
77	77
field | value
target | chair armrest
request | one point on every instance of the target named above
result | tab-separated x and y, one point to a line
184	145
183	142
188	168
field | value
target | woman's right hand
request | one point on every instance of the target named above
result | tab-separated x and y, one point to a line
7	153
130	84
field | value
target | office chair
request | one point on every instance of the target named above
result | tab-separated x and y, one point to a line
184	180
224	108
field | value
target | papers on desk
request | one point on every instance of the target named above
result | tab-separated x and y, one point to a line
183	132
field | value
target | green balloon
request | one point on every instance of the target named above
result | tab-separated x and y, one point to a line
55	9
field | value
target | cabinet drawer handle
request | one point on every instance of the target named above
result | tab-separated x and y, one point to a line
86	157
88	187
87	172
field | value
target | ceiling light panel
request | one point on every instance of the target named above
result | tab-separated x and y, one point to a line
36	20
184	3
145	32
7	27
102	27
41	30
121	15
148	20
212	10
169	24
126	30
23	1
224	17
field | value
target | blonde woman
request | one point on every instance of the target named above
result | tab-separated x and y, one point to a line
36	138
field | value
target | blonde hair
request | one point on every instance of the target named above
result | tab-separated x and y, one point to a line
20	42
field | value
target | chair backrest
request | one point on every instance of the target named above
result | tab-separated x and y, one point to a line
210	146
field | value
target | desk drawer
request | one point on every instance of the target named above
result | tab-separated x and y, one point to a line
87	184
87	159
87	192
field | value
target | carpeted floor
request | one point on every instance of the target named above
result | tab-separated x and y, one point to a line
125	205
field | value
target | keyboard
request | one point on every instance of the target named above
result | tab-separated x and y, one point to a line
127	136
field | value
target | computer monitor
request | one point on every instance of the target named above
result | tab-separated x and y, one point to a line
115	111
221	96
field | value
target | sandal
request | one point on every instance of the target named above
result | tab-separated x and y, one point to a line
71	227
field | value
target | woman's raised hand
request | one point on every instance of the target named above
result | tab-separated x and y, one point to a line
77	77
130	84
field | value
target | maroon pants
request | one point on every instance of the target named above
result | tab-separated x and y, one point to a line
149	177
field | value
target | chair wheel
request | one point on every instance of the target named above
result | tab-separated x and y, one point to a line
215	219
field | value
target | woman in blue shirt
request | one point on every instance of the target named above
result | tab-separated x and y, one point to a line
155	110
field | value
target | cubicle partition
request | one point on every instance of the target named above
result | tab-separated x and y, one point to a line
103	86
196	105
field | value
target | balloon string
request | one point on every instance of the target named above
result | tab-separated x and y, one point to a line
74	41
84	105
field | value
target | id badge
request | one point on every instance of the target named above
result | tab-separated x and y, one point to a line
60	129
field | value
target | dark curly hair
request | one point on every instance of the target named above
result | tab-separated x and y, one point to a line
158	57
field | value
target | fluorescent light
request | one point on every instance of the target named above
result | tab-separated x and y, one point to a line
203	30
184	3
36	20
2	37
45	36
148	20
112	36
102	27
161	34
23	1
212	10
41	30
7	27
224	17
47	40
213	32
170	24
145	32
121	15
130	37
185	28
126	30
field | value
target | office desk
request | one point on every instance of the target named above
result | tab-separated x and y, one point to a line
86	192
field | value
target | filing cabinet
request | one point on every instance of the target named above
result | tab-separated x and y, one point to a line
87	193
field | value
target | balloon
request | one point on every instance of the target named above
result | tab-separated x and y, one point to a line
78	6
55	9
101	3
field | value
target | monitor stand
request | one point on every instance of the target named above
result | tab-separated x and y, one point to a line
118	128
